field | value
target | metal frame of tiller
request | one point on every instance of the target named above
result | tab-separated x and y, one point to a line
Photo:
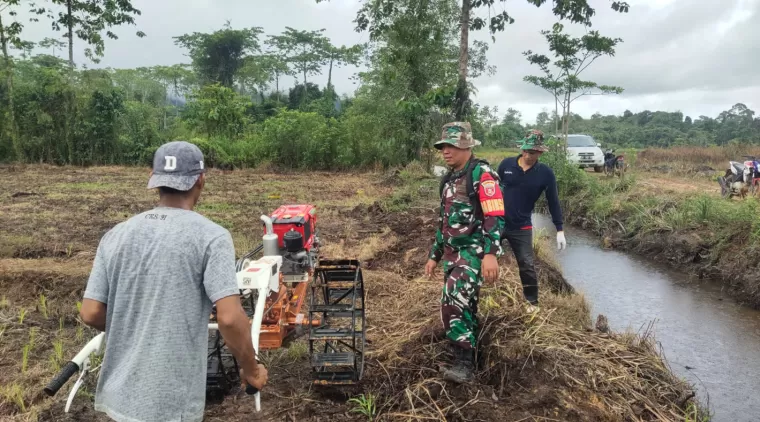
273	289
341	360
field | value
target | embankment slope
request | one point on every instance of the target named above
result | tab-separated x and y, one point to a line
697	232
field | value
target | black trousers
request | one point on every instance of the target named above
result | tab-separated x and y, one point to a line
521	242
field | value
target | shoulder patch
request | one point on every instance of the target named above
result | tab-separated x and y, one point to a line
489	188
491	200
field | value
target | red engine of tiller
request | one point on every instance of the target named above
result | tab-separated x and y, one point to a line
295	226
299	218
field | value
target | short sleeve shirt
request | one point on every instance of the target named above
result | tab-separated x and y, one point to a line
158	274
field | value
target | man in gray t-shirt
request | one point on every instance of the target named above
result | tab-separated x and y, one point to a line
151	289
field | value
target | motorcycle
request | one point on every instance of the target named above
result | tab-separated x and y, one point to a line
614	163
752	163
737	180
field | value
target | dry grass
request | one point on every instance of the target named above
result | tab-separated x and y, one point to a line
543	365
549	364
694	159
54	218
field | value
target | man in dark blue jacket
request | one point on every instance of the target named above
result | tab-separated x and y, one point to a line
523	179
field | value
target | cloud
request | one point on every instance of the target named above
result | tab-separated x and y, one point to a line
696	56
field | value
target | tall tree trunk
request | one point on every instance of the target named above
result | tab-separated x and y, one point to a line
16	142
556	114
277	85
303	98
461	107
329	75
71	33
70	97
567	115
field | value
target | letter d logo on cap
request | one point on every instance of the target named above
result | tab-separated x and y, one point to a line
171	163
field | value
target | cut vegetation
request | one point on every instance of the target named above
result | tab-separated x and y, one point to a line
553	365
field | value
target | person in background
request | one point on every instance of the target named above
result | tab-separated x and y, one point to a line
151	289
523	179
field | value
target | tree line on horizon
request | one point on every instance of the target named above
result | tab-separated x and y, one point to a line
247	97
644	129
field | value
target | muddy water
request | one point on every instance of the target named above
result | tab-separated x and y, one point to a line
707	339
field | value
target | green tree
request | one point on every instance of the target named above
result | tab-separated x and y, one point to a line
274	64
508	130
261	70
10	37
576	11
300	97
340	56
217	57
52	44
412	64
572	56
41	93
88	18
217	110
542	120
177	79
304	51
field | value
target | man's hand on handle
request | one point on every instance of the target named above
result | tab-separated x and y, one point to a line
257	379
236	330
561	242
430	268
490	268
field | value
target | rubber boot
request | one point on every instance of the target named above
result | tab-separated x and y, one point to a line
461	372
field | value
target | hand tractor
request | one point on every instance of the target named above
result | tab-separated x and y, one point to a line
273	289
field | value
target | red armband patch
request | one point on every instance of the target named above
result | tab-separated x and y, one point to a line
491	200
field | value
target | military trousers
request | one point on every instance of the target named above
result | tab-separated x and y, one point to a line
459	304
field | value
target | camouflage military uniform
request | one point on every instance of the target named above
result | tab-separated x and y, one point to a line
461	241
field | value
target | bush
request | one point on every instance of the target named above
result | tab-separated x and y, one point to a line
301	140
225	154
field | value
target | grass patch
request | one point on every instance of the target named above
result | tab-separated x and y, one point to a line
495	155
14	394
687	159
552	355
43	308
413	186
85	186
12	245
57	357
227	224
213	207
364	405
298	351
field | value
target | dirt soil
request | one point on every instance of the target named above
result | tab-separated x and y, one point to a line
54	218
679	185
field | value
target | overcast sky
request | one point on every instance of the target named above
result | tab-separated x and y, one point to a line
695	56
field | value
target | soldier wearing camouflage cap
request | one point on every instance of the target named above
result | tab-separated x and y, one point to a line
467	241
523	180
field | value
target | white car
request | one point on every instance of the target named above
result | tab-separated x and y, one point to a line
585	152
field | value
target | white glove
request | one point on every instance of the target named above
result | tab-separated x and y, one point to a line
561	242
